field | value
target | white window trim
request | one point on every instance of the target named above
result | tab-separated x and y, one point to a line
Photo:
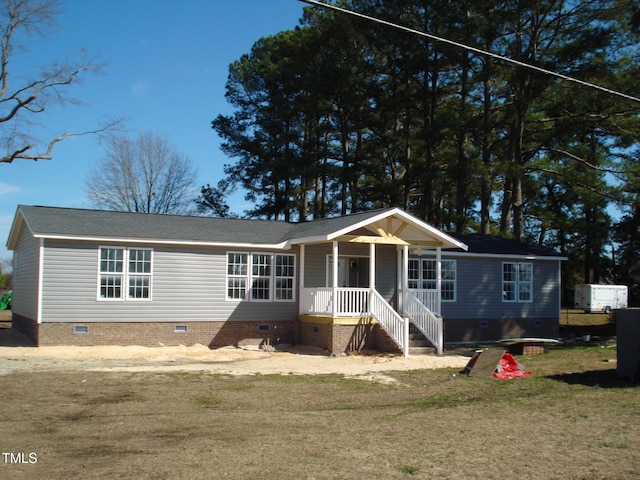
454	282
228	276
421	278
293	278
517	282
124	297
136	274
100	273
249	277
253	277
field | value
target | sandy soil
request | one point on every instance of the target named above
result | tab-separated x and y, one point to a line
17	356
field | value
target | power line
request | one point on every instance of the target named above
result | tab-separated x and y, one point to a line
468	47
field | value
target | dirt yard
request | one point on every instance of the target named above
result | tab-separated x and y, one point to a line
193	413
16	355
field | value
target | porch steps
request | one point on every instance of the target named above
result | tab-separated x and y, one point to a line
418	344
422	351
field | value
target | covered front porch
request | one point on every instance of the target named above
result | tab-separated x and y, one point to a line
359	278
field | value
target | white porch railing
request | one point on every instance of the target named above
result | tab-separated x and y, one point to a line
319	301
429	298
429	324
356	302
353	301
392	323
316	301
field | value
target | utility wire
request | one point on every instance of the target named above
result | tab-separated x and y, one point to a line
467	47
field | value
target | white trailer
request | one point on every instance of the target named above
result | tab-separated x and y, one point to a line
600	298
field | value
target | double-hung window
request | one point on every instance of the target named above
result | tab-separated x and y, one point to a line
139	273
285	277
517	282
448	274
125	274
237	274
414	274
260	277
423	276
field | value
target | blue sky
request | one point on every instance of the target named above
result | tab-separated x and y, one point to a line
166	64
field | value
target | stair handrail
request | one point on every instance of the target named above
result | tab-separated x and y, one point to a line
391	321
429	324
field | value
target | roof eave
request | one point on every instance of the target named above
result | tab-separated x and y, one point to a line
506	256
16	227
155	241
446	240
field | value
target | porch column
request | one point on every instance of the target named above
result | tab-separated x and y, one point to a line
372	266
438	279
334	277
301	297
405	271
405	290
400	299
372	273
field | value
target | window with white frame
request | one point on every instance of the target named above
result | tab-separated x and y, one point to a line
285	276
414	274
117	282
237	275
139	273
448	286
111	273
423	276
260	277
517	282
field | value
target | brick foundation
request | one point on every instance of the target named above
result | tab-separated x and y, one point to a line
316	335
152	334
322	332
341	335
459	330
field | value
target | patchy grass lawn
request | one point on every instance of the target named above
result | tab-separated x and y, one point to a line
570	316
575	323
572	419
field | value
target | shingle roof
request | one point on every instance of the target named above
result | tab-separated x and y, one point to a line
326	226
53	221
492	244
82	223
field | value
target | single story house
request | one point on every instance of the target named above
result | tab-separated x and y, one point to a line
366	280
496	289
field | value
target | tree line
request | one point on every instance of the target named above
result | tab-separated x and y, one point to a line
342	114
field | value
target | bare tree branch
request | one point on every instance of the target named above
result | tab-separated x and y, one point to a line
20	155
144	174
19	105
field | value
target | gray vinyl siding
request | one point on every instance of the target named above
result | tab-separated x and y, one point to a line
386	266
479	290
25	278
188	284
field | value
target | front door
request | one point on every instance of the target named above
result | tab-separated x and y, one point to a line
343	272
352	272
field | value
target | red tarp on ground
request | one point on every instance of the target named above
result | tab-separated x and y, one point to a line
508	368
